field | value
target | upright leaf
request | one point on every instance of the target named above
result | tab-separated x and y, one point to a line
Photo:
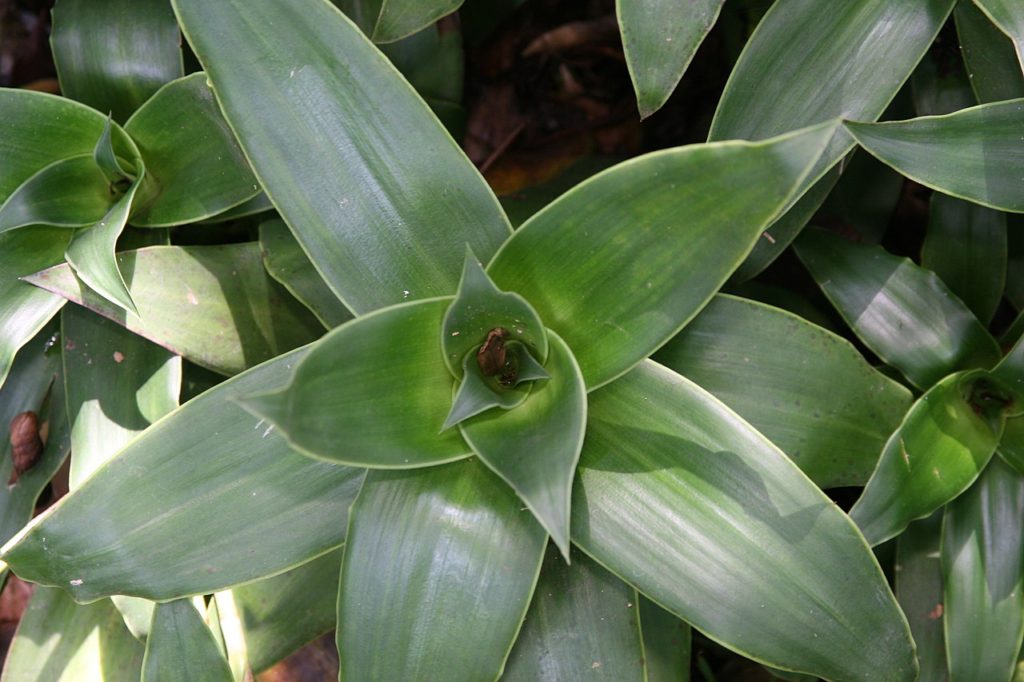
181	647
370	210
604	264
809	391
659	39
435	559
583	624
685	501
989	56
1008	15
115	59
386	21
919	591
973	154
667	644
901	311
983	568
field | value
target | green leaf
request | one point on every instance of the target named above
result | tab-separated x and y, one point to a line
506	389
72	192
682	499
286	263
258	204
1010	371
282	613
371	211
966	247
990	58
918	587
940	84
181	647
549	423
205	499
386	21
667	644
865	196
659	39
604	264
902	312
973	154
196	168
983	567
583	624
374	392
106	158
426	548
809	391
1011	446
936	453
24	309
219	310
1008	16
61	641
91	252
115	59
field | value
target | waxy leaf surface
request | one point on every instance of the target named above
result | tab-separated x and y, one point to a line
373	213
667	644
71	192
918	588
604	264
989	56
681	498
181	647
385	21
424	549
1008	15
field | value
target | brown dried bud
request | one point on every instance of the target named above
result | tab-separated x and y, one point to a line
26	445
491	356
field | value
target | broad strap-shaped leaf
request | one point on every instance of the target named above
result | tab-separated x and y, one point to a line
989	56
374	392
61	641
940	85
117	384
258	204
681	498
918	588
330	147
225	623
667	644
1008	15
850	61
195	167
942	445
287	263
983	568
865	196
181	647
973	154
115	59
282	613
535	446
439	568
583	624
205	499
902	312
659	39
24	309
386	21
809	391
966	247
1011	445
1010	371
219	310
71	192
605	264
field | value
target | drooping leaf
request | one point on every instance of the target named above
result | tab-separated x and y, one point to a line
972	154
942	445
282	613
219	310
682	499
424	549
989	56
966	247
901	311
983	568
71	192
659	40
1008	16
604	264
918	589
583	624
667	644
286	262
205	499
535	447
115	59
181	647
386	21
61	641
374	392
196	169
371	211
